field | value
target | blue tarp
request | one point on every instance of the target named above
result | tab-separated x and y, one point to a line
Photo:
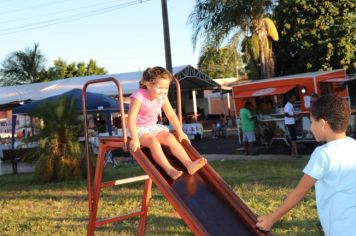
94	101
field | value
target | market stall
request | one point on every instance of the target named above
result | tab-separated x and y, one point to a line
268	97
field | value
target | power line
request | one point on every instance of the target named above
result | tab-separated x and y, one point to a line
57	12
31	7
47	23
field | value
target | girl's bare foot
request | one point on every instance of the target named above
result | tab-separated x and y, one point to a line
196	165
174	174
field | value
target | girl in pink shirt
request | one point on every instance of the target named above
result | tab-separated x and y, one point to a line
146	104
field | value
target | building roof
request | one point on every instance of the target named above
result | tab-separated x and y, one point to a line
189	78
318	74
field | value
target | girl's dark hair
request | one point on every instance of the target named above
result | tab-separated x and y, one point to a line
151	74
333	109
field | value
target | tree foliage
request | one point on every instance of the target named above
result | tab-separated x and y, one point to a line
58	153
22	67
315	35
222	21
251	56
62	69
28	66
220	63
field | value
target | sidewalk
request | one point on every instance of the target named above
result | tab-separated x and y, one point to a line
6	167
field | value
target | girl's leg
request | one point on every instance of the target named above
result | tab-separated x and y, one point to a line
178	151
154	145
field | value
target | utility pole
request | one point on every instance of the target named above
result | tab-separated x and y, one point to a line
167	51
167	43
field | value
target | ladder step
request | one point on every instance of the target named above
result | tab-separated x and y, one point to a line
123	181
118	218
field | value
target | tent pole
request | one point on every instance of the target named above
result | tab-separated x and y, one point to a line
108	122
237	119
13	159
228	104
194	96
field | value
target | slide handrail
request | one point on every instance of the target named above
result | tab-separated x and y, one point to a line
86	135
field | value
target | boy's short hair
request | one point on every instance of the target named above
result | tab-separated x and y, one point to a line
290	95
333	109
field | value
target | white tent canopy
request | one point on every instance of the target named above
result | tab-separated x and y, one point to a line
36	91
129	82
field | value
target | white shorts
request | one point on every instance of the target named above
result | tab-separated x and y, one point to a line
248	136
152	129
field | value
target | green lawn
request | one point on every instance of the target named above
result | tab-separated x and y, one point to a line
29	208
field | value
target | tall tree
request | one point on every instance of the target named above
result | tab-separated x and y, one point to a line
22	67
220	21
220	63
62	69
315	35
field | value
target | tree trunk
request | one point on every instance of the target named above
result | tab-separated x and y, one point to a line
266	53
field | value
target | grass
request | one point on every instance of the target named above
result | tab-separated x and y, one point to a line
30	208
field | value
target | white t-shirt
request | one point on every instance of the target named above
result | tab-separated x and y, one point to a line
288	108
333	165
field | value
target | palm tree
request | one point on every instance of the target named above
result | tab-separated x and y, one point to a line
220	63
58	153
220	21
22	67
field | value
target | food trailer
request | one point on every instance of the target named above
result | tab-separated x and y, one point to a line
268	97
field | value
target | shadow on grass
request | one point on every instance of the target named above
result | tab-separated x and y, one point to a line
306	227
20	181
162	225
62	219
56	194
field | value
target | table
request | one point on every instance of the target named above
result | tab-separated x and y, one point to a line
192	130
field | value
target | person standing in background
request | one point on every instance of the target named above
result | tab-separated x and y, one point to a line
290	122
248	128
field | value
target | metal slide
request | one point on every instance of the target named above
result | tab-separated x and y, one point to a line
203	200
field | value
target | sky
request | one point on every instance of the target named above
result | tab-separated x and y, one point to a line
121	35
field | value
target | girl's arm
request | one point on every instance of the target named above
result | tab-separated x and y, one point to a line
174	121
134	108
294	197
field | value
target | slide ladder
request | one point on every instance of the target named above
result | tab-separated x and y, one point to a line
94	187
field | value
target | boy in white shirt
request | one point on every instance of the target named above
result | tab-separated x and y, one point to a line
332	168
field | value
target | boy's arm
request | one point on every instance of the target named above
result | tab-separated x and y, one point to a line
174	121
134	108
293	198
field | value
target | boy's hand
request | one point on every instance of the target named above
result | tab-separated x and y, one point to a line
134	144
264	223
181	136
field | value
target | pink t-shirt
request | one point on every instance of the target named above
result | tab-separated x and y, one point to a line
149	110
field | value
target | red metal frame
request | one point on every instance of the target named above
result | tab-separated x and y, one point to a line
207	173
95	186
